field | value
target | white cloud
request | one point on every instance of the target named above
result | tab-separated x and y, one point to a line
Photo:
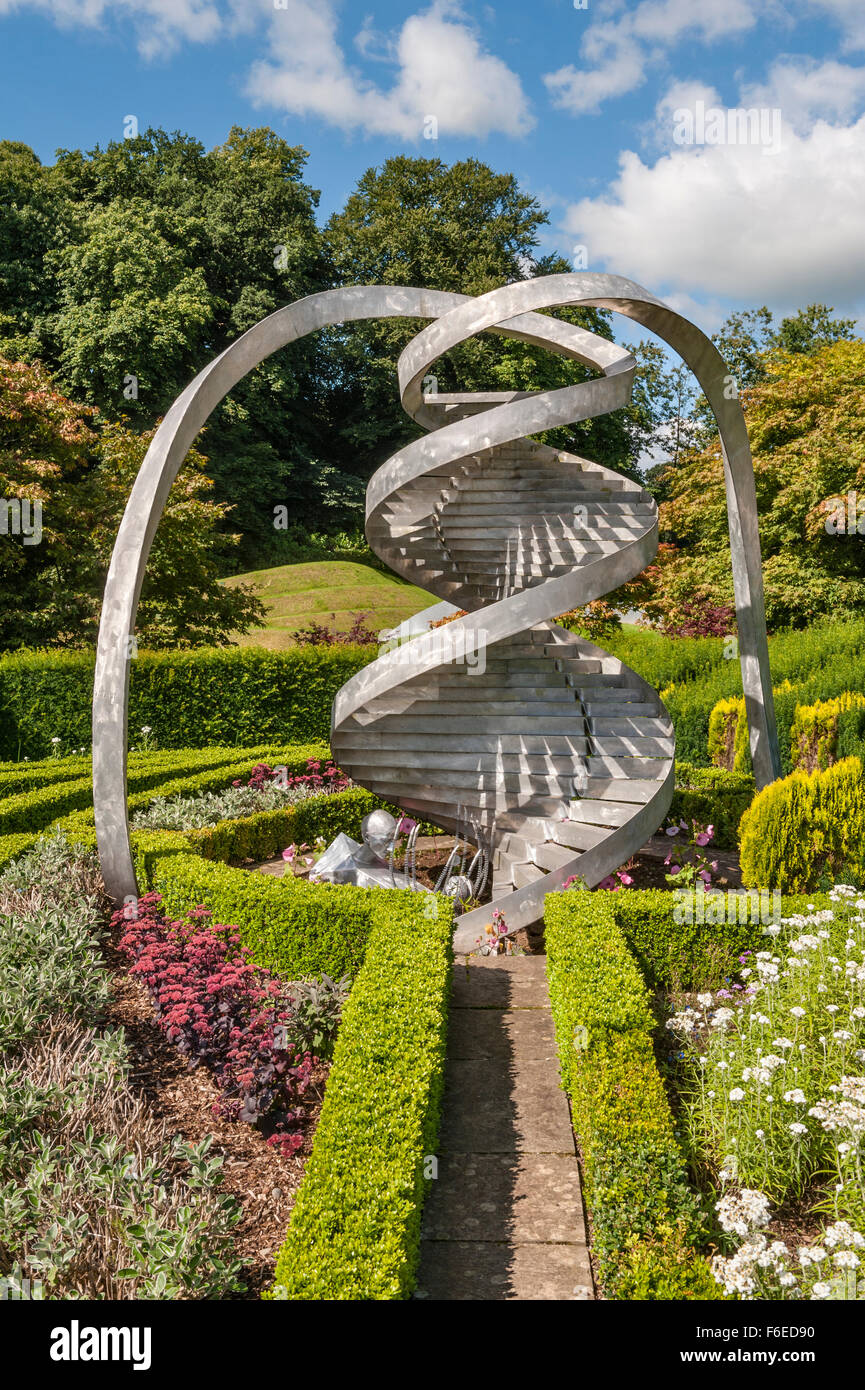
442	71
850	14
733	221
807	90
616	53
160	26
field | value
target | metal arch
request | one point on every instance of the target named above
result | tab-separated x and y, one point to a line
508	311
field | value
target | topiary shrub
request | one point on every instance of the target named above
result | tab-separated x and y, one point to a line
805	829
814	735
728	735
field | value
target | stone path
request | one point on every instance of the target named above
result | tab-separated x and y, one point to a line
504	1219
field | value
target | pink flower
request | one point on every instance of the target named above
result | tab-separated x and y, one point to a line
625	878
672	830
288	854
405	825
705	836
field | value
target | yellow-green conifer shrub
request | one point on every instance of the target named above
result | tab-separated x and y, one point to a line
814	735
804	828
728	734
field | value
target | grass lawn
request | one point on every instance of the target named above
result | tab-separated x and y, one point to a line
329	592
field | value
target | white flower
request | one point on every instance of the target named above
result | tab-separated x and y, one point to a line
795	1097
811	1254
845	1259
842	1233
797	1129
743	1212
737	1093
797	1012
146	729
56	740
821	1291
705	1000
782	1042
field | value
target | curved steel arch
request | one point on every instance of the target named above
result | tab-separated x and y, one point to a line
511	311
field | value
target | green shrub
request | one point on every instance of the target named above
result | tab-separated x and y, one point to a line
189	698
635	1180
355	1229
814	735
806	828
689	954
712	796
851	733
294	928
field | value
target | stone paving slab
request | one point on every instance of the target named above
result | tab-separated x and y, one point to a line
504	1110
462	1270
530	1198
502	1033
481	986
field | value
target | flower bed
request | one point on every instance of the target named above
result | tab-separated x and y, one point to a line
773	1093
95	1201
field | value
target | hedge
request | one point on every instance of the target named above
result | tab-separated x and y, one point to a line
163	773
292	927
712	796
806	829
355	1228
189	698
646	1220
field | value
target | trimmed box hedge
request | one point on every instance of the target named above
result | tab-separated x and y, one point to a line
355	1228
712	796
647	1221
209	695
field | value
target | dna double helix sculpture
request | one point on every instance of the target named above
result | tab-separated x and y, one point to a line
557	752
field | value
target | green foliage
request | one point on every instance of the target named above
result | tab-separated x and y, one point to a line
635	1181
712	796
805	422
814	735
163	772
355	1228
805	827
189	699
294	928
689	954
80	472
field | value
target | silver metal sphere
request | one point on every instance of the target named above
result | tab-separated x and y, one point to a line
377	831
459	887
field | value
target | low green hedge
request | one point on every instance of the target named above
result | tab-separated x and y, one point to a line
355	1228
189	698
646	1220
689	953
295	928
167	774
712	796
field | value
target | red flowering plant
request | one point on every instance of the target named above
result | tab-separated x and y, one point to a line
317	777
221	1011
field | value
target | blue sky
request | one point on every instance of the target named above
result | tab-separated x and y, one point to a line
588	107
